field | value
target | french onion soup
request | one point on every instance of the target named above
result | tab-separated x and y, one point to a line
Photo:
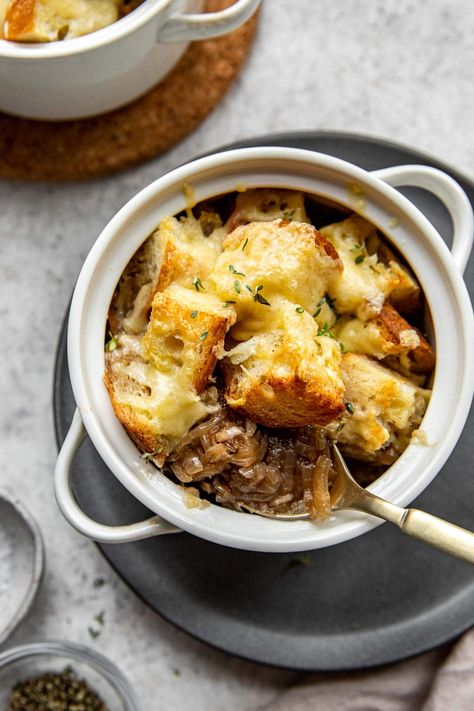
248	332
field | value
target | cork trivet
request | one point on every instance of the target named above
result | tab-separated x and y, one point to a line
87	148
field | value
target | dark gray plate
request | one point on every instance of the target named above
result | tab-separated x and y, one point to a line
379	598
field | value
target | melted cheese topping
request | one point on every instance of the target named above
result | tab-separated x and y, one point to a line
366	337
365	283
49	20
291	345
265	281
171	408
267	260
265	205
385	406
191	254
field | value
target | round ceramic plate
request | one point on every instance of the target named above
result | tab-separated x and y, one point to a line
379	598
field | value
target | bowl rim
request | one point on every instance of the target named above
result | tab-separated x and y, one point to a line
355	524
117	30
72	650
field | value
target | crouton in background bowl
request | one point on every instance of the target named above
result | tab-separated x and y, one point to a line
372	198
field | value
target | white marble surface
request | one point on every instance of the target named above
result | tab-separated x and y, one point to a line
401	69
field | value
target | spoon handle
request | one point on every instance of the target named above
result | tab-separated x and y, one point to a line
446	536
435	531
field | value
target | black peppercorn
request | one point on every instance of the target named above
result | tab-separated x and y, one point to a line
54	692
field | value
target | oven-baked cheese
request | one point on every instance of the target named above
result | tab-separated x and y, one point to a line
264	260
155	381
266	205
178	252
154	409
365	282
50	20
382	410
184	340
295	316
286	376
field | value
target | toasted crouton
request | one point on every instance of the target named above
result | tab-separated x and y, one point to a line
265	260
366	281
153	408
186	334
406	297
177	252
266	205
382	410
132	299
288	376
50	20
188	251
388	334
155	381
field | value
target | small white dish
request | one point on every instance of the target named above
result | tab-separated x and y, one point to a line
21	562
101	71
438	270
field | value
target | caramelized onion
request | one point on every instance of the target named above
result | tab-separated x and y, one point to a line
245	466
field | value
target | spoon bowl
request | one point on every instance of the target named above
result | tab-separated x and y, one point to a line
346	494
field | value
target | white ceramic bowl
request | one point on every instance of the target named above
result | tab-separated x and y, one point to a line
106	69
438	271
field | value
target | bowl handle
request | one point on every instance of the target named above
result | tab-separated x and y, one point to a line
183	28
154	526
448	191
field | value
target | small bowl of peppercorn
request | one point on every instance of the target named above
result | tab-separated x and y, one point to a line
61	676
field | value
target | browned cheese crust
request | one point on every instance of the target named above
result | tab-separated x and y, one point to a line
392	326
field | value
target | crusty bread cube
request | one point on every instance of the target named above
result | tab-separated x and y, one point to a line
366	282
50	20
266	205
155	410
406	297
382	410
388	334
154	381
131	303
178	252
265	260
186	334
287	376
187	251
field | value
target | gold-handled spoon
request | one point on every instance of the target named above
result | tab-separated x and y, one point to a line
347	494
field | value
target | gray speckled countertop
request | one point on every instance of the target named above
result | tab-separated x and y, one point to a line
400	69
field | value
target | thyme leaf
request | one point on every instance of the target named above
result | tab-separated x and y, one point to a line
325	331
111	344
258	298
233	270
